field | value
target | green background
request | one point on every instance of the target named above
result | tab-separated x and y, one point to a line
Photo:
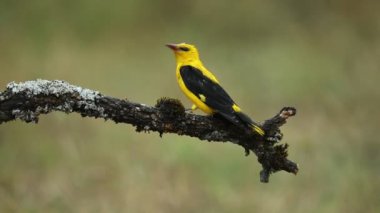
322	57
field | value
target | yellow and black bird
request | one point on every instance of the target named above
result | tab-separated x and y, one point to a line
204	90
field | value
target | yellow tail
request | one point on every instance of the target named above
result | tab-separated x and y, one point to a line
258	130
248	121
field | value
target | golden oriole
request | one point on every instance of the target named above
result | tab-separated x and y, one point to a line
204	90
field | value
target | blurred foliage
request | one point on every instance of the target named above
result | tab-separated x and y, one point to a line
319	56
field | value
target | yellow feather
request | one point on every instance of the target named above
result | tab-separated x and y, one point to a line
190	57
258	130
236	108
203	98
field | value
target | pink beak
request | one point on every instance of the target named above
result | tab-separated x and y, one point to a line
172	46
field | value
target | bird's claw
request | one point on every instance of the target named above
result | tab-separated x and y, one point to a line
192	109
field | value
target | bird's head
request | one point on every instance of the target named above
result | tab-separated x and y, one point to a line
184	52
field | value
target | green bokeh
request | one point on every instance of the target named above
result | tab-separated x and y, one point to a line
319	56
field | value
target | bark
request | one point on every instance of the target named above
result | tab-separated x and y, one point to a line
27	100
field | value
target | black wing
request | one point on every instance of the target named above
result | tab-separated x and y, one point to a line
216	97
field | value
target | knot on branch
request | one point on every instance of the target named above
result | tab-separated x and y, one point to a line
170	108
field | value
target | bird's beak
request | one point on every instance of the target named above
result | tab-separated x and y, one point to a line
172	46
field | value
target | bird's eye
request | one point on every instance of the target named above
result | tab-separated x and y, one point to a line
184	49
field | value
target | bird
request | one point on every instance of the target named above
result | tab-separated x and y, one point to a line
204	90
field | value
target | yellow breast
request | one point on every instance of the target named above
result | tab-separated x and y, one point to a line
193	98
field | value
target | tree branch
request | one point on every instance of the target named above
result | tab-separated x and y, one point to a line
27	100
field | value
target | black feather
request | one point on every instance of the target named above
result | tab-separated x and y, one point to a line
216	97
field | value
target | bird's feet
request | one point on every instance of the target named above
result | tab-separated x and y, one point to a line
192	109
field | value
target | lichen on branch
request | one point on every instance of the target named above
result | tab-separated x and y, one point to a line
27	100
